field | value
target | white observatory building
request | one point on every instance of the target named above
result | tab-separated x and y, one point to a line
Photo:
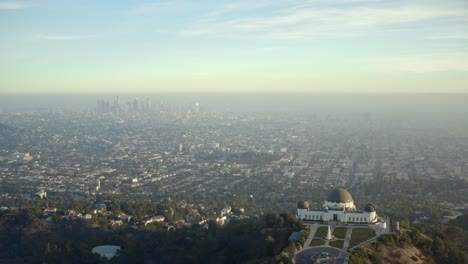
339	207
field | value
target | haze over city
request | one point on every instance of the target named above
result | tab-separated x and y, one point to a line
243	46
290	131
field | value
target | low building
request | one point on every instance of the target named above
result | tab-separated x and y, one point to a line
158	218
41	194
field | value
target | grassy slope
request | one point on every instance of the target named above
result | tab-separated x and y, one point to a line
380	253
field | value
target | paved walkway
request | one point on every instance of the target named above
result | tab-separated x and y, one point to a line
349	230
313	229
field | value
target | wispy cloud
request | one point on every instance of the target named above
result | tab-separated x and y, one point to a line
308	20
425	64
13	5
203	73
151	7
238	7
451	37
65	37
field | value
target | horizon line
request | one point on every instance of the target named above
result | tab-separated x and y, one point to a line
239	93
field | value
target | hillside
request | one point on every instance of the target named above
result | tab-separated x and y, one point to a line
378	252
436	244
390	249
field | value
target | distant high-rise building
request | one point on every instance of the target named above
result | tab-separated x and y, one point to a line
161	106
196	108
102	106
106	106
99	106
135	105
127	107
116	108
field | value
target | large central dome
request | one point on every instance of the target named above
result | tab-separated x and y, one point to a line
339	195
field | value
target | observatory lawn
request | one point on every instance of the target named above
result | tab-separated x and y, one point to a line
339	232
360	235
337	243
321	232
317	242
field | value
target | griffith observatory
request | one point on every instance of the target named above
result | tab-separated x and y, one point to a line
338	207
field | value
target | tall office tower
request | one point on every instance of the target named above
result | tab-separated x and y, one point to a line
135	105
161	106
100	106
128	107
181	147
147	104
106	106
116	105
196	108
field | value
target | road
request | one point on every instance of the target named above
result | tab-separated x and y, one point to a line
336	256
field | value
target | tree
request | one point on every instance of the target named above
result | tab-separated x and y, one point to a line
438	246
212	228
359	256
404	225
273	220
270	246
291	250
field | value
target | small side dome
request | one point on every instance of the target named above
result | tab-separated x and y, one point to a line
370	208
303	205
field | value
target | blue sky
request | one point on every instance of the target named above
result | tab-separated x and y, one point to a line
234	46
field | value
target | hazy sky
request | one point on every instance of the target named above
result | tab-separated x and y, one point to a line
70	46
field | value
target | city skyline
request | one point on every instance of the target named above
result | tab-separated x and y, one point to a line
341	46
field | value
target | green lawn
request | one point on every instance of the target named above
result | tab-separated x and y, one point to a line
337	243
360	235
321	231
317	242
339	232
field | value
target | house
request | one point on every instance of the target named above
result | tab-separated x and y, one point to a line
158	218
